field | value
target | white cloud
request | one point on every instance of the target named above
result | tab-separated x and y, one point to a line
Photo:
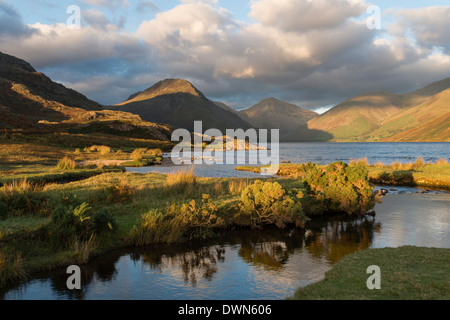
303	15
430	26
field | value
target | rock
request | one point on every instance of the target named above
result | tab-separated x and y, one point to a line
308	234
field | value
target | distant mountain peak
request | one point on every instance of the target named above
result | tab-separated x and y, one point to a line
165	87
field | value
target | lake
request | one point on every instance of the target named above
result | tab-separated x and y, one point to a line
322	153
250	265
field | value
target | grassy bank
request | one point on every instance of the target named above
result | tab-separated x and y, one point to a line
417	173
407	273
50	225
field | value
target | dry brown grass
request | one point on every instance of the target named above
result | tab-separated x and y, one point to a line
66	163
17	186
419	163
379	164
181	180
360	161
441	162
236	186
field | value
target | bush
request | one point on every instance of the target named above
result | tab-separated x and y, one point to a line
75	224
265	203
338	187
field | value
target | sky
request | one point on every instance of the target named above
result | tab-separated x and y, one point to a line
314	53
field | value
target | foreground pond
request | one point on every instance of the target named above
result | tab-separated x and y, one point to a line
245	265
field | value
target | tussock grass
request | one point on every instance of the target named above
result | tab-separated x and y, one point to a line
11	268
84	249
183	180
379	164
441	162
236	186
419	163
17	186
360	161
66	163
103	150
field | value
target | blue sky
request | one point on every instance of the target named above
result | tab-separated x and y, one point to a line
315	54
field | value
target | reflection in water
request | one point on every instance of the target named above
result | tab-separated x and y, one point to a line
253	253
342	236
262	264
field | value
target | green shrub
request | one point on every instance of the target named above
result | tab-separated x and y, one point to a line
77	224
264	203
338	187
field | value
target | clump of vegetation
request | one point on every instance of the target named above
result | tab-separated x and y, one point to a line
103	150
338	187
236	186
175	224
419	163
441	162
267	203
361	162
20	198
181	181
71	224
379	164
121	193
11	268
83	249
138	154
66	163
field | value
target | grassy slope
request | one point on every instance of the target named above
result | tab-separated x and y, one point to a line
407	273
422	115
357	116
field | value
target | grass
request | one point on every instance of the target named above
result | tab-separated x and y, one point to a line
66	163
407	273
182	180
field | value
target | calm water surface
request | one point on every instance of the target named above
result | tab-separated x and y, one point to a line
255	265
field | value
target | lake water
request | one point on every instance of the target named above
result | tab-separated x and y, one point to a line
322	153
250	265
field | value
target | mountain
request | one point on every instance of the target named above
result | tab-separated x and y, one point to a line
421	115
31	102
272	113
178	103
